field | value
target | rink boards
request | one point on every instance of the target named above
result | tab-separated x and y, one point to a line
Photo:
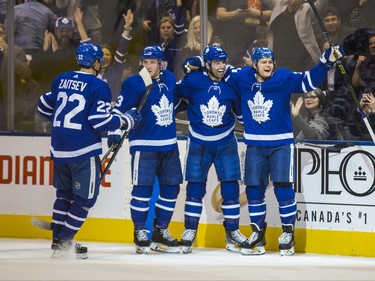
334	191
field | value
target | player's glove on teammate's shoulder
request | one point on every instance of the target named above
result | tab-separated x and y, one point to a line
193	64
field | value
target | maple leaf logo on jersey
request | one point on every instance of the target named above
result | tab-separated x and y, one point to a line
163	112
259	108
213	113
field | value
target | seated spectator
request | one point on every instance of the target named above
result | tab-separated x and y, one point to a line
341	110
91	19
171	34
26	89
364	74
155	11
336	29
58	51
308	120
193	44
367	104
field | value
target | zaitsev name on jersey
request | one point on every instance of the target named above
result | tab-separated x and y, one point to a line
72	84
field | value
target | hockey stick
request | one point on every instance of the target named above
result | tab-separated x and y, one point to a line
105	156
42	224
342	70
148	83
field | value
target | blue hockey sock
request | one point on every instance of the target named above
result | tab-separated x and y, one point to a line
139	205
59	215
165	204
287	204
76	217
256	204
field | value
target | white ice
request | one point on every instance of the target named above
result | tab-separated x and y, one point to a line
30	259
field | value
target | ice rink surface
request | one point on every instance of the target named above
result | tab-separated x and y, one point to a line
30	259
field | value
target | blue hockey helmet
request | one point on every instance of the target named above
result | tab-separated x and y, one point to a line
152	52
211	53
87	54
262	53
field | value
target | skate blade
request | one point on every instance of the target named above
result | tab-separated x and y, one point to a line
233	248
288	252
254	251
82	256
58	254
141	250
187	249
157	247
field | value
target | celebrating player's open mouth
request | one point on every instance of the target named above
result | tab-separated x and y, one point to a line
265	68
218	69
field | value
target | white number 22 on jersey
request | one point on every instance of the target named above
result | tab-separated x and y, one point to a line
67	119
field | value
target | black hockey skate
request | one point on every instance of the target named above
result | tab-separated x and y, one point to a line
257	240
67	249
236	241
286	240
142	244
162	241
187	241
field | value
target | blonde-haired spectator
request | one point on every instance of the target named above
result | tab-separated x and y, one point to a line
193	43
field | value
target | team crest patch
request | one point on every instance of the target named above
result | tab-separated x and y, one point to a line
163	112
260	108
213	113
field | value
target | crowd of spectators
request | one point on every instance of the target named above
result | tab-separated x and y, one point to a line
48	31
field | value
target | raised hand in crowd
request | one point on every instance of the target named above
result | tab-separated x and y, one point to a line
368	103
49	42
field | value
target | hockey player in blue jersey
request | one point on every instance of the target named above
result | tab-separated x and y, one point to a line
268	134
154	152
79	107
212	109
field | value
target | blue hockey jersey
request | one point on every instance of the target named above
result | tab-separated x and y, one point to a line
157	129
79	107
211	110
266	105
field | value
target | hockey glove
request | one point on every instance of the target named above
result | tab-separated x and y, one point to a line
332	54
114	138
192	64
131	118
